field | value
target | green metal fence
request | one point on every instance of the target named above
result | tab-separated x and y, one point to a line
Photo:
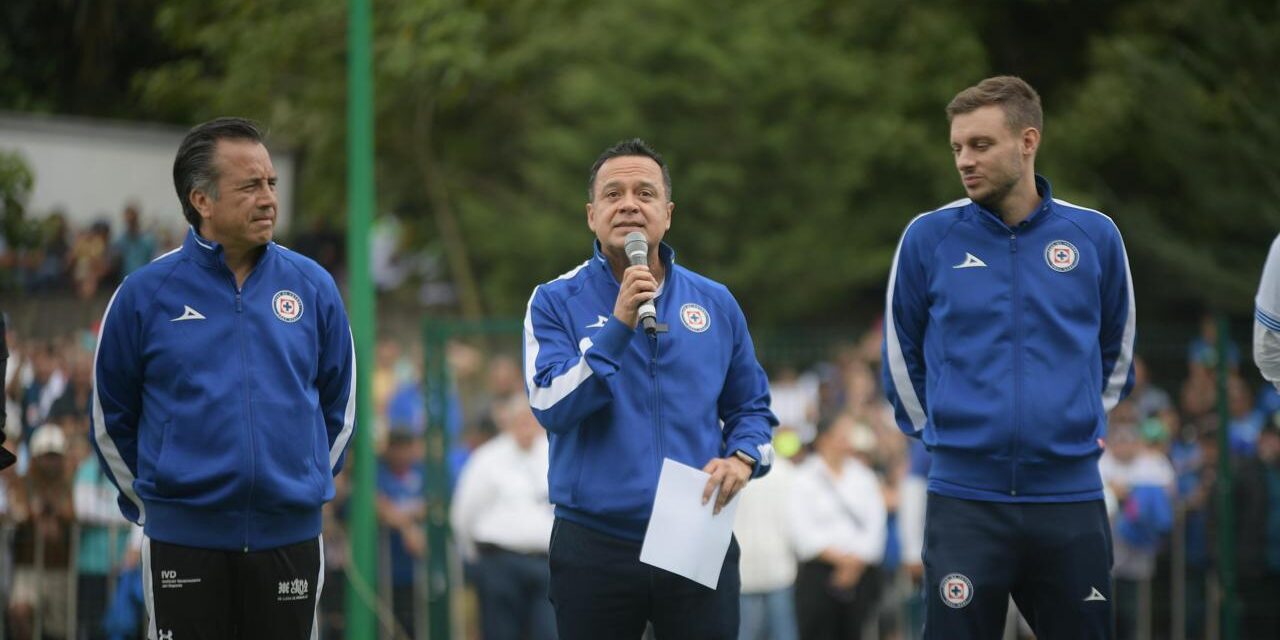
1161	603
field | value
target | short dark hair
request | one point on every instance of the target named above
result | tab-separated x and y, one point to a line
193	168
1020	102
632	147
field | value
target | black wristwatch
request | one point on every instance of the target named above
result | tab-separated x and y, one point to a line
745	457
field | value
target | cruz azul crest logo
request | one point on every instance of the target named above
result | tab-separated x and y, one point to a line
287	305
956	590
1061	255
695	318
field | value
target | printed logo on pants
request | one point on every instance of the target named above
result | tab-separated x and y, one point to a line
956	590
169	580
292	590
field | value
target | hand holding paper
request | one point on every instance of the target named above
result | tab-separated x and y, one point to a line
729	475
685	536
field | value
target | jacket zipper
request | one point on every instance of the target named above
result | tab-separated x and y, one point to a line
1017	363
657	399
244	367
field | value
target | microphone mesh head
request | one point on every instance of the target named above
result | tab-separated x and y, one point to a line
636	243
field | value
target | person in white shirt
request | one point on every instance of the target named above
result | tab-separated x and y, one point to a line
794	400
502	521
838	521
1143	484
768	561
1266	318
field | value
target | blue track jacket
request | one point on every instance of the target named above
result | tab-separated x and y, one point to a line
1006	347
616	402
222	415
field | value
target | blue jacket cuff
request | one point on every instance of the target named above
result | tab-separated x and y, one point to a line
612	340
764	459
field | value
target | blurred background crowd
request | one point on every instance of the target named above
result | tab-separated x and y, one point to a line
66	561
85	260
802	135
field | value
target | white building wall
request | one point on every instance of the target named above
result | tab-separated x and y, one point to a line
91	169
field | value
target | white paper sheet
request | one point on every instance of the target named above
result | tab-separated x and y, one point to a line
683	537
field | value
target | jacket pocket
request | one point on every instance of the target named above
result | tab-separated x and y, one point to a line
1065	417
968	410
617	470
197	463
287	452
163	476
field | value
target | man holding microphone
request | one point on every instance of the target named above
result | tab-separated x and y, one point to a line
618	395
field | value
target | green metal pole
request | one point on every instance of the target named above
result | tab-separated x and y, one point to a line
362	572
437	484
1226	517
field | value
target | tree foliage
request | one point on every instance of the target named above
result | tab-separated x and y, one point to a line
802	134
16	181
1174	131
76	56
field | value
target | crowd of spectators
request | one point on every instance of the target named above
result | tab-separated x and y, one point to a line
830	539
66	560
1159	469
86	261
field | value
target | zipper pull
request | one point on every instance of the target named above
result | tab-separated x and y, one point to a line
1013	242
238	308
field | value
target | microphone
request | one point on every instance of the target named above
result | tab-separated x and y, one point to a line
637	248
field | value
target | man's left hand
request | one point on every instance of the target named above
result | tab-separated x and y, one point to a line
730	474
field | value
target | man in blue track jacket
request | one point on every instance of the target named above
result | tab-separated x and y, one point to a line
616	401
223	403
1009	328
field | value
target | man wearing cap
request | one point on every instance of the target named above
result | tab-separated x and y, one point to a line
44	512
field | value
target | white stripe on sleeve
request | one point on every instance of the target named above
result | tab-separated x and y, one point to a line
119	469
897	363
543	398
1120	374
349	417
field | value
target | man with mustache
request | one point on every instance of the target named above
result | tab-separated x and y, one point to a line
224	398
1009	328
617	400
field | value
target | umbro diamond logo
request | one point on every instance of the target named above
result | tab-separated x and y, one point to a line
1095	595
970	261
600	320
188	314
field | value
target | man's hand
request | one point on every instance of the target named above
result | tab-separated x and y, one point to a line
1120	490
916	572
730	474
414	539
638	285
848	572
